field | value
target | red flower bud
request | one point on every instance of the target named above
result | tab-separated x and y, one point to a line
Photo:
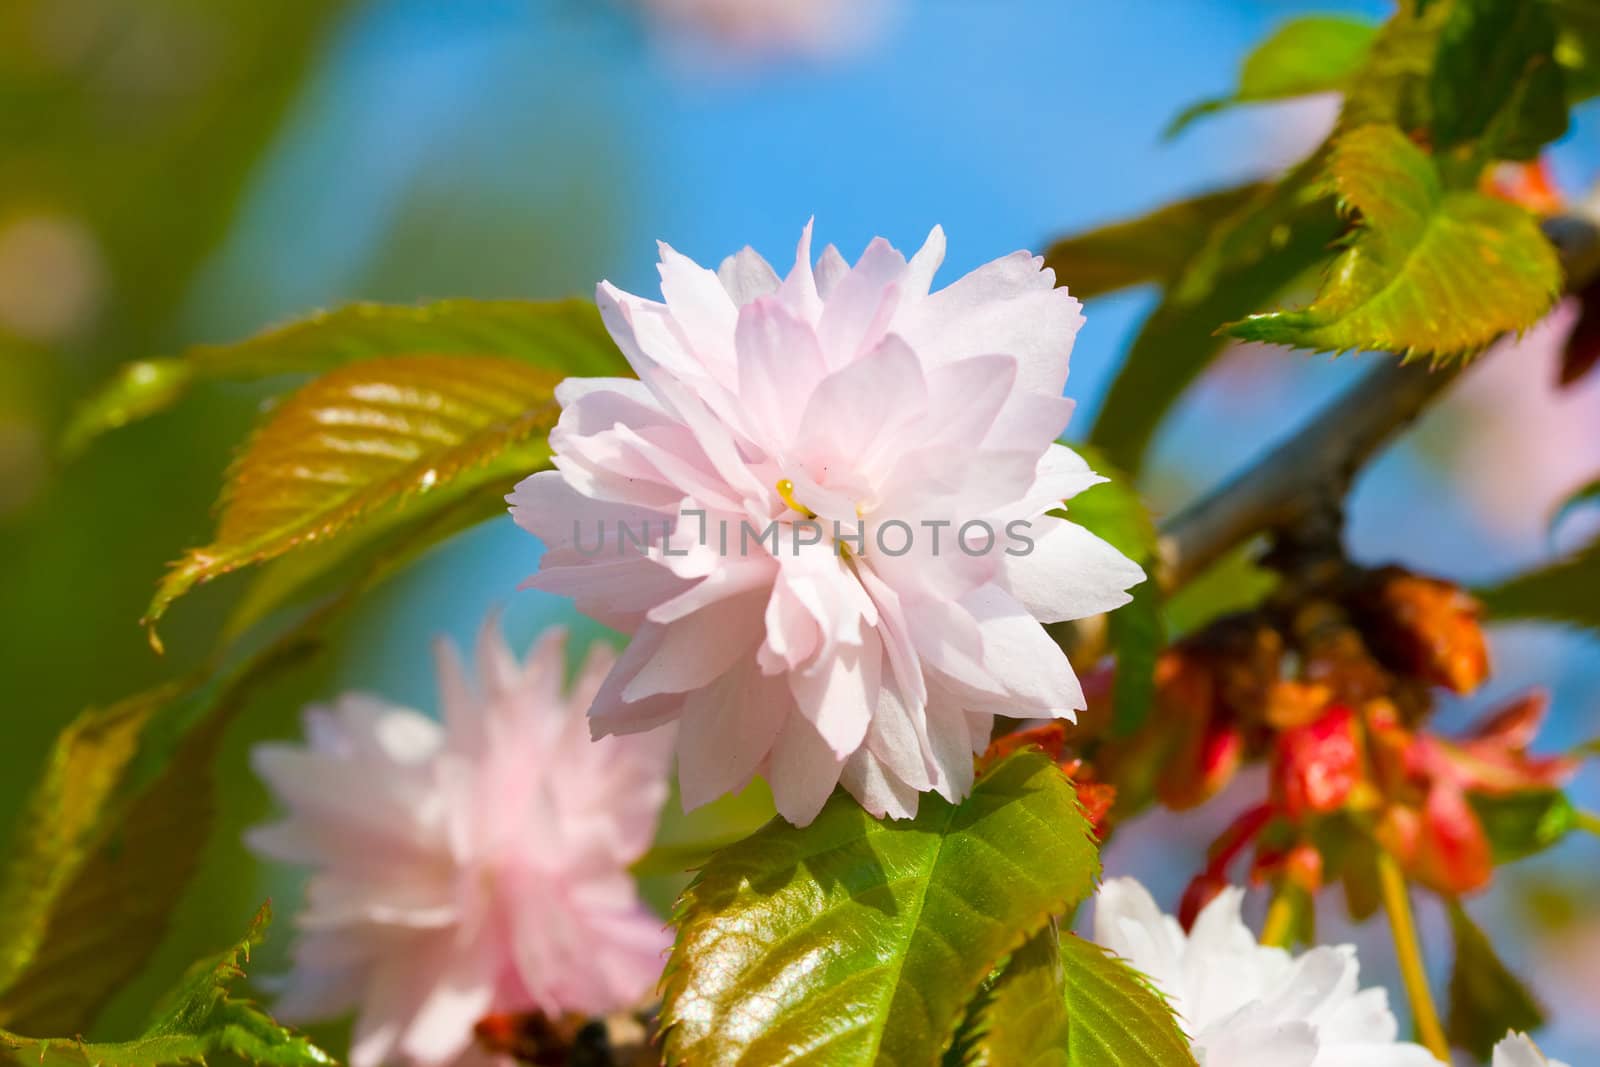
1317	766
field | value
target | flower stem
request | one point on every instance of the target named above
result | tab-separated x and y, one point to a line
1589	822
1279	927
1408	949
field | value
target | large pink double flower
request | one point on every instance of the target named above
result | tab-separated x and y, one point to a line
821	512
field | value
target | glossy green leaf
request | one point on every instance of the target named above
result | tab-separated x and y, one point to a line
59	830
1486	999
1066	1002
1496	79
565	336
1526	823
860	941
1562	592
1179	340
364	437
1430	271
199	1018
1310	54
1150	248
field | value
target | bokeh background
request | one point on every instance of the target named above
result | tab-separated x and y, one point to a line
192	170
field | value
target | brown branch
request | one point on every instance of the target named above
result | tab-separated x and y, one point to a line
1298	486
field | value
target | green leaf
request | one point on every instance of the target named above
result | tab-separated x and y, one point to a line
1114	512
859	941
1496	79
1150	248
1137	634
1311	54
565	336
1430	271
130	858
1237	582
365	436
58	831
1394	85
1179	339
1486	999
1525	823
198	1019
1066	1002
1578	46
1562	592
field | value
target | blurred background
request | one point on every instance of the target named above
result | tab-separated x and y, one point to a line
175	171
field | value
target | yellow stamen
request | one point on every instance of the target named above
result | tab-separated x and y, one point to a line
786	491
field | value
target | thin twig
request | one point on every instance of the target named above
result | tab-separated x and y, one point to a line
1301	481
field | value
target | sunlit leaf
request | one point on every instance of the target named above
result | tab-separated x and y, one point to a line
1525	823
365	436
1486	999
199	1018
1066	1002
1150	248
564	336
862	941
58	831
397	536
1429	272
1562	592
1311	54
1496	79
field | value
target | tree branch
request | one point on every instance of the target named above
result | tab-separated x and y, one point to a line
1299	485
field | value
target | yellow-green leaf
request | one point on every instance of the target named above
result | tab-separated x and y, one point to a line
1430	271
365	437
1066	1002
1310	54
564	335
199	1018
858	941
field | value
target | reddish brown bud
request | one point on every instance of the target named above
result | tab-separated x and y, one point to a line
1315	767
1423	628
1097	799
1051	738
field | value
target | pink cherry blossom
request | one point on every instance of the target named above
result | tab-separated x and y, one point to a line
871	419
759	27
469	867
